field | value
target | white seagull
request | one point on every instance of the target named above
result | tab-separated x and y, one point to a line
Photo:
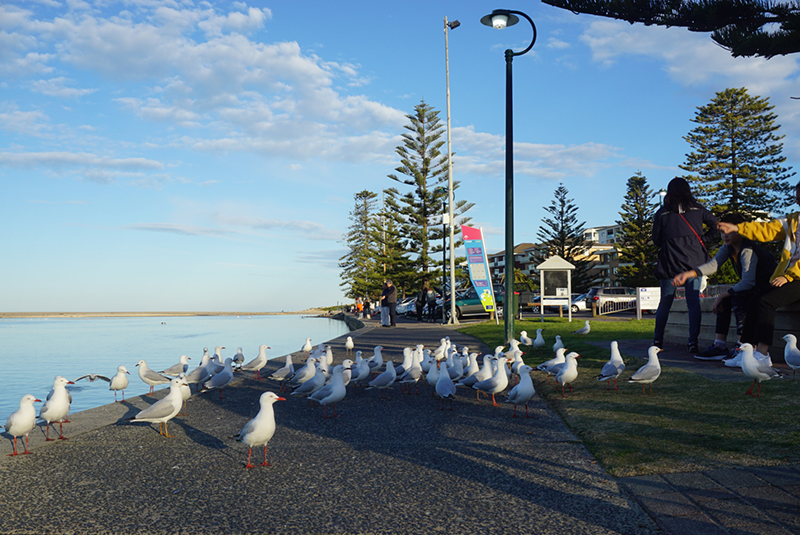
222	379
525	339
349	345
791	354
56	408
165	409
523	392
583	330
259	362
496	383
384	380
307	347
238	358
538	343
445	388
150	377
176	369
285	373
260	429
558	344
569	372
648	373
22	421
118	382
613	368
333	392
757	370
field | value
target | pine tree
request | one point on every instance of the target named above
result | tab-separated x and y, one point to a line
736	163
417	214
360	274
562	235
636	252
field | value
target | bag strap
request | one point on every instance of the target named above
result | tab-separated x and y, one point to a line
703	245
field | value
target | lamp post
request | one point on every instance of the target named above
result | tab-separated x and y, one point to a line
662	193
499	19
453	319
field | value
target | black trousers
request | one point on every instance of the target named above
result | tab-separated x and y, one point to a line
392	313
759	324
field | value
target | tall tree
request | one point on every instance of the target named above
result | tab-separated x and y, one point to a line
736	163
636	252
745	27
360	274
418	213
392	259
562	235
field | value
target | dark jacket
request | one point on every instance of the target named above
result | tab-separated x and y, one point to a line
389	295
754	266
679	248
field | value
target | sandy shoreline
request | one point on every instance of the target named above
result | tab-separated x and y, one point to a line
308	311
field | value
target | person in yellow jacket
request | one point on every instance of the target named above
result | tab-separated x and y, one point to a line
784	283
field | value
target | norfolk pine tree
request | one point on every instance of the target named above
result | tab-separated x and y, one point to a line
636	252
736	164
360	275
562	235
417	213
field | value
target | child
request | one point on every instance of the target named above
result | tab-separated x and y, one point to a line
784	286
754	266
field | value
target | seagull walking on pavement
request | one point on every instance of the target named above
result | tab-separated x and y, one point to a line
56	407
22	421
260	430
523	392
757	370
259	362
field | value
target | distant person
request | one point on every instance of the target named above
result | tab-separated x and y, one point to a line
367	308
678	232
384	306
391	302
419	303
359	307
431	305
754	266
784	289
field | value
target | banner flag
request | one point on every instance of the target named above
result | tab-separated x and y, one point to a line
478	266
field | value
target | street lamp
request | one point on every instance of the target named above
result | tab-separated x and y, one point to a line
453	319
662	193
499	19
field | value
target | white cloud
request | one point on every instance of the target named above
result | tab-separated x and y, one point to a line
57	87
22	122
75	159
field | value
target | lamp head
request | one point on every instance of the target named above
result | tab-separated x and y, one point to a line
499	19
453	24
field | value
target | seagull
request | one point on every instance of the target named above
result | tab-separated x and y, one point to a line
384	380
523	392
307	347
259	362
56	407
238	358
484	373
524	339
583	330
349	345
362	374
305	373
648	373
222	379
201	374
216	363
412	375
260	429
334	392
496	383
376	361
186	392
445	388
22	421
791	354
558	344
613	368
165	409
176	369
313	384
150	377
118	382
538	343
569	372
758	370
285	373
558	359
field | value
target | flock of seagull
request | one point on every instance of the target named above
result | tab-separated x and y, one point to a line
445	368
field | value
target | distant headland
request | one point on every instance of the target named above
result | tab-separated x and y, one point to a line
308	311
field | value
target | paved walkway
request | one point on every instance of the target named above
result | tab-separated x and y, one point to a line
384	466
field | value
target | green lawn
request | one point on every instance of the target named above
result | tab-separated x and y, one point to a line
689	422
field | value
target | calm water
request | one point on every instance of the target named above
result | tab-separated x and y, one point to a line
34	351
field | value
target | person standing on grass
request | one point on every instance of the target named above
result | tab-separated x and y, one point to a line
784	283
754	266
678	233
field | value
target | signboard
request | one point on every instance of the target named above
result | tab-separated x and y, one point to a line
647	299
478	266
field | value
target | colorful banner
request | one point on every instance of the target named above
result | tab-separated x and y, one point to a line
478	266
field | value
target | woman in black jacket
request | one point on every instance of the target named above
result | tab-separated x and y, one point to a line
678	232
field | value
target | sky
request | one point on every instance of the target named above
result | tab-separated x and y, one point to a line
203	156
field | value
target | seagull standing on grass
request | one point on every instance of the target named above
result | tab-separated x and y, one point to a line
524	338
757	370
583	330
791	354
558	344
648	373
613	368
569	372
538	343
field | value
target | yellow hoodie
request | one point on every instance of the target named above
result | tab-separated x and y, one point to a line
785	229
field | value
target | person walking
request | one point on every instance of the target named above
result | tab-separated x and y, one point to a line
391	302
422	296
678	233
384	306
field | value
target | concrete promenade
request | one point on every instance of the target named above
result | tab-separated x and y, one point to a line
384	466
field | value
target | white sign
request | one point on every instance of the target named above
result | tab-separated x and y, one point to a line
648	298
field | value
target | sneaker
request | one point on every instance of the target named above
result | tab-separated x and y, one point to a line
736	359
692	347
659	345
763	358
714	352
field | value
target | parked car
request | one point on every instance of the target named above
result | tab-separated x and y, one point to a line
578	304
611	298
407	307
469	304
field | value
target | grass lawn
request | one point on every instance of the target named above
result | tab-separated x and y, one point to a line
689	423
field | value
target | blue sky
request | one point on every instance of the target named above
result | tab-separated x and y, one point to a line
159	156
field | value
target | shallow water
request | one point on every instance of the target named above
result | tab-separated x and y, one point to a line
34	351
